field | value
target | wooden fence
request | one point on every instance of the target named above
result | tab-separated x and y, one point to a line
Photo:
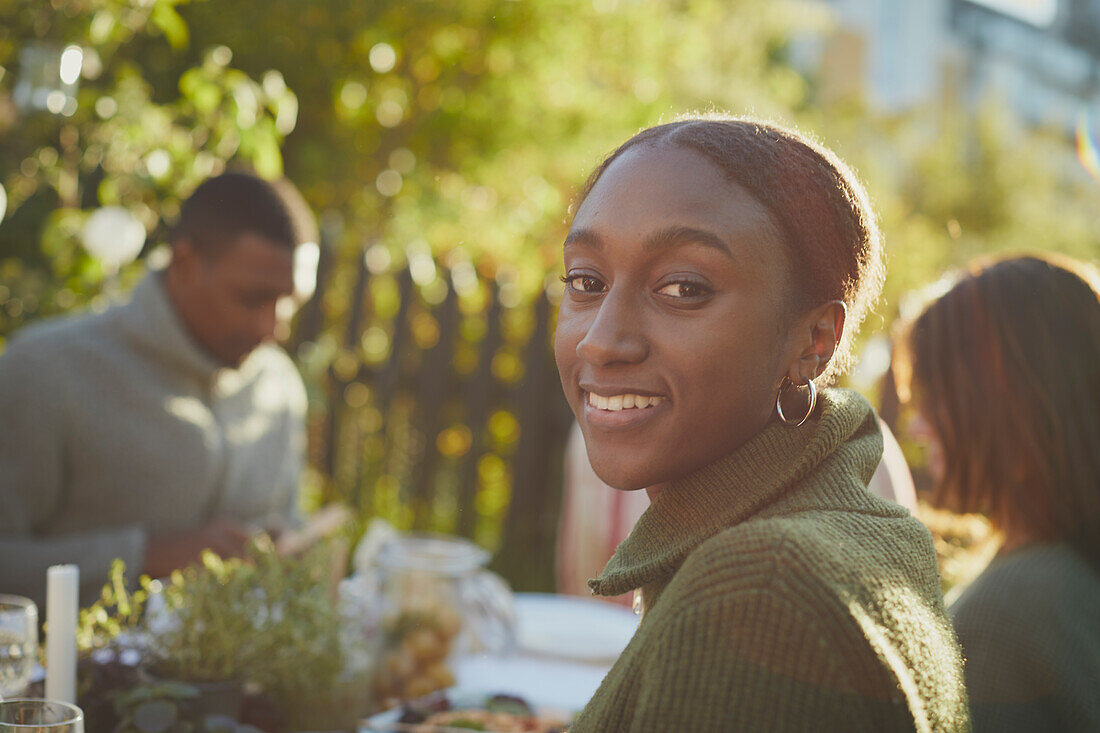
442	408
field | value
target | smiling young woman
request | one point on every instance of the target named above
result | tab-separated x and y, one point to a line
716	269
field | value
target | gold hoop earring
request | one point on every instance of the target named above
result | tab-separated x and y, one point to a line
779	402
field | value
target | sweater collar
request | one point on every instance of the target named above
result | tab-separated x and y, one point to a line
745	483
157	327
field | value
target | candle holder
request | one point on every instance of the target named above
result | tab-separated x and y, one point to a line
40	716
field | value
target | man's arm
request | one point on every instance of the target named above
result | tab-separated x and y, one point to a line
23	560
33	483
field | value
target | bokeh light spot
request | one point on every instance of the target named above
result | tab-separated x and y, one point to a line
346	366
388	182
402	160
421	262
425	330
356	395
376	344
55	101
353	95
106	107
72	60
455	441
158	163
377	259
382	57
390	113
504	427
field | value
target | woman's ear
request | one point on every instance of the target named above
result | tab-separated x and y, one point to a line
817	336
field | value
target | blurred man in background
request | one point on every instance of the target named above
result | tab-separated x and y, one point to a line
167	424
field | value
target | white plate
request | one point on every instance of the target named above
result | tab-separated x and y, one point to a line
542	682
567	627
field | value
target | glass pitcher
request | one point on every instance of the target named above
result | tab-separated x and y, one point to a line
436	600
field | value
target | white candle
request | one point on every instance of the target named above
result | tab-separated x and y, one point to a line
62	590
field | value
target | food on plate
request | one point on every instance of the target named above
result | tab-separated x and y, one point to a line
499	713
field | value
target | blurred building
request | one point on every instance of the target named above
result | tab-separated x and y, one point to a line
1042	57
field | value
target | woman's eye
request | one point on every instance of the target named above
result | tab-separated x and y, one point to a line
584	283
683	289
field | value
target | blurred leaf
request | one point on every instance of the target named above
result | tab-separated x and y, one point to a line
171	24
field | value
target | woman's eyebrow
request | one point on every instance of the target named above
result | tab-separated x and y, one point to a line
585	238
668	237
679	235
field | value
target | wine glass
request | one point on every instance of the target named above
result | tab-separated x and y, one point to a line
18	643
40	716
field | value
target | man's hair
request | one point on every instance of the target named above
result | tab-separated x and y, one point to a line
224	207
1004	367
822	210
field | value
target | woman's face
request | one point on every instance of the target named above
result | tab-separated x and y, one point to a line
672	335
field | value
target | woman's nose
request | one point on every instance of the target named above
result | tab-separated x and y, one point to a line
615	333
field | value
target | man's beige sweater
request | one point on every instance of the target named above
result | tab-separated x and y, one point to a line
780	595
116	426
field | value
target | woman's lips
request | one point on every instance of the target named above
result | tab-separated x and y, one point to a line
623	410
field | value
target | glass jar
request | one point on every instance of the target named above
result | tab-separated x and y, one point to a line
436	600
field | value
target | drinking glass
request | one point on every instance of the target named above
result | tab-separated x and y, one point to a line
18	643
40	716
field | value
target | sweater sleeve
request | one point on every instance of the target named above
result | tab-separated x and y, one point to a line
33	485
751	660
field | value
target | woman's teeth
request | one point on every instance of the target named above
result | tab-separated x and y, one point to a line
622	401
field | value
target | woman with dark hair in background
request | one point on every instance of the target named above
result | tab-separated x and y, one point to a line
1005	378
716	271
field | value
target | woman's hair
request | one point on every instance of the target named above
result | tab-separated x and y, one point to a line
822	211
1006	368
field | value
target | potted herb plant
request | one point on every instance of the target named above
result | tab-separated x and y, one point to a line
267	621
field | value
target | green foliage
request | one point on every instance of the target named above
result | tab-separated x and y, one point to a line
117	610
470	124
265	619
135	139
251	618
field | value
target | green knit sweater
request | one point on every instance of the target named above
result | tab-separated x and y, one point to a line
1030	629
780	595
